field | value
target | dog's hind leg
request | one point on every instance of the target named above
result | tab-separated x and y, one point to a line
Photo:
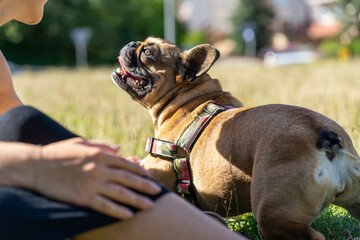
284	201
284	221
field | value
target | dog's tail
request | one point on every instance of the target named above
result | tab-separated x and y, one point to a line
330	142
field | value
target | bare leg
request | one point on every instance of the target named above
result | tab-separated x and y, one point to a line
170	218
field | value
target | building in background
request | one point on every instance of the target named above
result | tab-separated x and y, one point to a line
297	19
297	25
306	19
325	15
291	17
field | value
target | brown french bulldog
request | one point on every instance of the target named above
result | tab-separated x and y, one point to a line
283	163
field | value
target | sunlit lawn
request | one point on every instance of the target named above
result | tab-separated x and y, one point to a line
87	102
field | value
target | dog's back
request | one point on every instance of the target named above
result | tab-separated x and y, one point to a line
298	162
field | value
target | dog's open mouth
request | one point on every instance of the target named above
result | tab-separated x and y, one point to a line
126	77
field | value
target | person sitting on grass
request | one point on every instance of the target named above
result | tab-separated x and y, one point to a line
57	185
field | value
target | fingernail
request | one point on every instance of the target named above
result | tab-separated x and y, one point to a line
128	213
148	202
115	148
155	187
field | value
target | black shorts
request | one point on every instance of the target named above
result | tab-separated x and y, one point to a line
28	215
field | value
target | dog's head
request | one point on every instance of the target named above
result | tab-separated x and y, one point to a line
145	66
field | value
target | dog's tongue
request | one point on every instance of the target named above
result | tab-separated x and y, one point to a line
130	79
125	72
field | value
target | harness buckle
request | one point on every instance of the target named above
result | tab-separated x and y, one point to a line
149	145
183	187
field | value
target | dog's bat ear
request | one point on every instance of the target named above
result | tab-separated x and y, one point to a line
197	61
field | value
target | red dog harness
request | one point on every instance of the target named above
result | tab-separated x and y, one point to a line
187	140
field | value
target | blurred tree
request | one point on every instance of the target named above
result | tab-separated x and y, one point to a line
113	22
350	16
351	11
256	14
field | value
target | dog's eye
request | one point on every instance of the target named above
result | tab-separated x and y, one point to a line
147	52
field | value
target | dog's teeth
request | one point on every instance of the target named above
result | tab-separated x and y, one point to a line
118	70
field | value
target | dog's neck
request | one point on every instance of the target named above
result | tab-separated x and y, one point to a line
179	102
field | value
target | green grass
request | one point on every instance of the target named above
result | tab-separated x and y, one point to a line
246	225
87	102
335	223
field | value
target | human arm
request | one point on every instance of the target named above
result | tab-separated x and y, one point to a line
78	172
8	97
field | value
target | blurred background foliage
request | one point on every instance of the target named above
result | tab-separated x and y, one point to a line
117	22
256	13
349	35
113	24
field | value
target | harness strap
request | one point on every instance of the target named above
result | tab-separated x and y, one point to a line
193	131
182	170
167	149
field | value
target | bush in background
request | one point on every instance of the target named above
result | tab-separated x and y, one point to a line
330	48
355	47
335	49
190	39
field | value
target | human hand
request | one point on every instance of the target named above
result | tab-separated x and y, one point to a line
133	159
92	175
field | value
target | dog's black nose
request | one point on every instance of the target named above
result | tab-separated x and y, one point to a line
134	44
